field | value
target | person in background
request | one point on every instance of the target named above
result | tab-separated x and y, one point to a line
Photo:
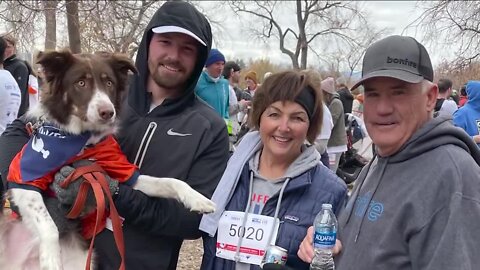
463	96
33	86
337	144
18	69
444	105
273	175
468	116
345	95
231	72
237	104
247	94
327	122
10	99
212	87
455	96
252	83
166	131
10	96
357	106
416	205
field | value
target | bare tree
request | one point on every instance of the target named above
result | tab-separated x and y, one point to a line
50	11
351	54
459	76
73	26
106	25
451	24
115	25
315	20
21	19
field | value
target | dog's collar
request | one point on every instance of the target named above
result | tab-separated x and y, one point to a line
32	128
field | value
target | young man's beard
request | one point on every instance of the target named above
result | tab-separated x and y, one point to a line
172	83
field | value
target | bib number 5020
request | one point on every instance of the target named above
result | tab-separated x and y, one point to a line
250	233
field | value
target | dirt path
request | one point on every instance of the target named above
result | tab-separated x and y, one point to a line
190	255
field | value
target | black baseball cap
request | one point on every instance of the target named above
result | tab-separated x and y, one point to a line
398	57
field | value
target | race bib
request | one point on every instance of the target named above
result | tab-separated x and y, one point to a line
254	234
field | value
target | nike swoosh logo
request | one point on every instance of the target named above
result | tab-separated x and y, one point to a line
173	133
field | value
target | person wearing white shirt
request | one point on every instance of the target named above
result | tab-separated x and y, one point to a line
325	133
10	96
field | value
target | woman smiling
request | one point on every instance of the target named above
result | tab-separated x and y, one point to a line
274	184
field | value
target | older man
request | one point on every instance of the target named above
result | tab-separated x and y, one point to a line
417	204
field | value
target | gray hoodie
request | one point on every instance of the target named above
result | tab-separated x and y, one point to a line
308	159
419	208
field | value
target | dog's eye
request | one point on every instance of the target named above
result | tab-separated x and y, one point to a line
109	83
81	83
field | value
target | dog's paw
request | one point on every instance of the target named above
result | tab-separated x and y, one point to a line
198	203
50	260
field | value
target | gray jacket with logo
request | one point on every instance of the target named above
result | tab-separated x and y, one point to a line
416	209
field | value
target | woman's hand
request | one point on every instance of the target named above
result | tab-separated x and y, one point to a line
306	252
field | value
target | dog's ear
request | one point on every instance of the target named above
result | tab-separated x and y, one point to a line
122	63
54	63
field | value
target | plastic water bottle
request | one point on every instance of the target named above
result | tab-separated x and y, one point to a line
325	235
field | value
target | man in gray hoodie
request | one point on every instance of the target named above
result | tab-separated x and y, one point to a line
417	204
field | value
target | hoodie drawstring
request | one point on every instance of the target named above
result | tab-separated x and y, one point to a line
383	169
247	209
356	192
277	209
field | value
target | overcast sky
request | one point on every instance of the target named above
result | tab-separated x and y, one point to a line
396	15
234	40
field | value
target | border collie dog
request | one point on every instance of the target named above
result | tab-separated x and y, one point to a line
77	113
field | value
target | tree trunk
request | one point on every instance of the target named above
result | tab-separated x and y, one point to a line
50	8
295	62
73	26
303	54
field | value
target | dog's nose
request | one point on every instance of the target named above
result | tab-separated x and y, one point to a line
106	113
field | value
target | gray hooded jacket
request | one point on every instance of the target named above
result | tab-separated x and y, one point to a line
417	209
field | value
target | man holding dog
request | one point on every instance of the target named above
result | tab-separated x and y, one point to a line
167	132
417	204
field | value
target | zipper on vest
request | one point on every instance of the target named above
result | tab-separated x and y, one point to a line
142	149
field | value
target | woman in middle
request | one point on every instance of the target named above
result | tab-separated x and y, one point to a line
274	184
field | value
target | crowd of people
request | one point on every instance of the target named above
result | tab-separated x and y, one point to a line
414	205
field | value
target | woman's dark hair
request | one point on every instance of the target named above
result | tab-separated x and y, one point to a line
287	86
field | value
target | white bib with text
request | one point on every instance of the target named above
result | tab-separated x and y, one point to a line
254	236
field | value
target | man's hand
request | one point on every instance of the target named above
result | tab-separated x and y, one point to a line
306	252
244	104
476	138
66	196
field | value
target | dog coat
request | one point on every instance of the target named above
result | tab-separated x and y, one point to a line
49	149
